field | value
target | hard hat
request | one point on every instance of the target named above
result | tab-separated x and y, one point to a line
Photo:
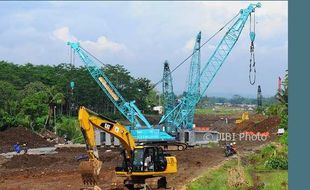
234	142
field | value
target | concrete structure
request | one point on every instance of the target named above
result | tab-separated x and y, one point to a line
105	139
159	109
194	138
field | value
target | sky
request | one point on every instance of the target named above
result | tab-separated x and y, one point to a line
142	35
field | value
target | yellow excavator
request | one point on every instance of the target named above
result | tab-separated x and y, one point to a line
140	162
244	117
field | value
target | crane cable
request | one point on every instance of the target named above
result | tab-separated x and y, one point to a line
72	57
183	60
181	63
93	56
252	53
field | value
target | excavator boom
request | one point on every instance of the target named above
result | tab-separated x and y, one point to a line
90	120
140	162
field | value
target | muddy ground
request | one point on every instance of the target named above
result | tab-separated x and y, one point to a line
59	171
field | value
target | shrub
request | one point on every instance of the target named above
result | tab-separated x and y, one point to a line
70	127
284	138
277	162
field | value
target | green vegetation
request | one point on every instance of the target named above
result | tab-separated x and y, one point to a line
39	96
266	170
70	128
281	107
276	180
216	179
252	172
217	111
220	178
207	102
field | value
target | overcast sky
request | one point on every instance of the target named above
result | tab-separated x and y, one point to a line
142	35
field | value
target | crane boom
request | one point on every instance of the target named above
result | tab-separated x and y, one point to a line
224	48
169	100
128	109
183	113
193	83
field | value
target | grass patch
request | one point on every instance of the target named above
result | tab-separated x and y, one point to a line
275	180
251	173
217	111
219	178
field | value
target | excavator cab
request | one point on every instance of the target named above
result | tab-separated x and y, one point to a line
144	159
148	159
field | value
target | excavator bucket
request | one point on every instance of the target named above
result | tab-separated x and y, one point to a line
90	171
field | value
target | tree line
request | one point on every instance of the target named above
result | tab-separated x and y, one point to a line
234	100
36	96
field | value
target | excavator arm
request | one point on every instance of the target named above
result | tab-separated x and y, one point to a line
90	120
140	162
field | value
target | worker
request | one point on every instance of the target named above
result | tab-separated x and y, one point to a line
25	148
17	148
148	162
66	139
234	147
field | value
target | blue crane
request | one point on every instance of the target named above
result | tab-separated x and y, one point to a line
128	109
183	113
169	99
192	90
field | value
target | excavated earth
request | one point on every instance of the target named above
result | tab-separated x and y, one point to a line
22	135
59	171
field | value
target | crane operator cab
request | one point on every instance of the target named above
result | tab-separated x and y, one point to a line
147	160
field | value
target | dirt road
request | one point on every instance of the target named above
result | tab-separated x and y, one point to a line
59	171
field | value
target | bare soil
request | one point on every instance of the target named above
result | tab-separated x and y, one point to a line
13	135
59	171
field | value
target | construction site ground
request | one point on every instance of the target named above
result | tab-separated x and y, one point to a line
59	171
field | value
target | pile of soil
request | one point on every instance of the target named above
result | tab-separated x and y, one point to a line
10	136
267	125
212	121
257	117
51	137
202	120
270	124
28	161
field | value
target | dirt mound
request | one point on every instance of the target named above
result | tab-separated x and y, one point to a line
257	117
267	125
202	120
28	161
22	135
51	137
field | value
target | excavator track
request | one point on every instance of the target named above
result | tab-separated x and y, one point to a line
171	146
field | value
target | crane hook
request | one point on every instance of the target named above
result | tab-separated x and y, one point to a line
252	54
252	60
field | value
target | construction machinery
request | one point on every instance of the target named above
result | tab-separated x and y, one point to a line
244	117
259	97
169	99
181	116
140	127
140	162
